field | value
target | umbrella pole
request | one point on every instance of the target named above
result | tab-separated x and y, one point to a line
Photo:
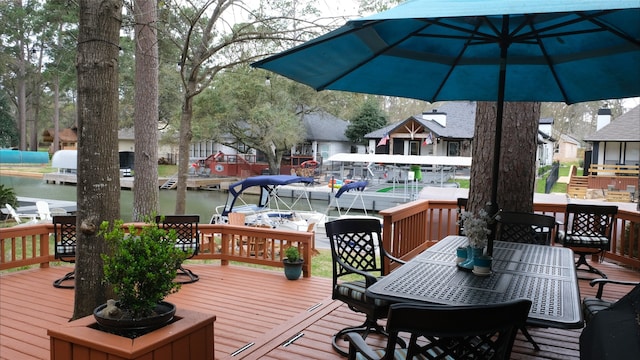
493	207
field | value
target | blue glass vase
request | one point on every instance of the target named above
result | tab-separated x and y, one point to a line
472	253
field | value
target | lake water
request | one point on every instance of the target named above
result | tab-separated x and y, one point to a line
202	202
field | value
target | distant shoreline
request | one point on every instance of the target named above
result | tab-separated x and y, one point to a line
28	174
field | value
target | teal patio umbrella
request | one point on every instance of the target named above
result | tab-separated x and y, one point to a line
485	50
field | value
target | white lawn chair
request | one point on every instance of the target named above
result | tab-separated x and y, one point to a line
18	217
43	210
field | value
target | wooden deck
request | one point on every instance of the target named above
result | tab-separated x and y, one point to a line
252	306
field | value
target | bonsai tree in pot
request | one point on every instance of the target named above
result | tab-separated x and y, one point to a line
292	263
141	266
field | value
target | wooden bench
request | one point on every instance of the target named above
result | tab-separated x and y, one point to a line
618	196
618	170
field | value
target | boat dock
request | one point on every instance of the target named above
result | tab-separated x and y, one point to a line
193	182
27	205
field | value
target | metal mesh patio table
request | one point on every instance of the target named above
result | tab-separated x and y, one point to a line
544	274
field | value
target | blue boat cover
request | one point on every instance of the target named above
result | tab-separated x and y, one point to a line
358	185
266	183
267	180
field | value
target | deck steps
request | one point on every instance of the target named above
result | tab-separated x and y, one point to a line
171	182
577	187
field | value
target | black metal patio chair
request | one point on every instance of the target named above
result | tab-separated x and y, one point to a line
528	228
592	305
523	227
588	232
356	249
447	332
64	233
188	239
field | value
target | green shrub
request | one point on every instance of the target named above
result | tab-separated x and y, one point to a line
141	267
8	196
292	254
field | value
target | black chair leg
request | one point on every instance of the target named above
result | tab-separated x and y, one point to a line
582	260
60	282
190	276
368	327
529	338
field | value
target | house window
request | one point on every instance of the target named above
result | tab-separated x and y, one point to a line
242	148
453	148
398	147
324	151
414	147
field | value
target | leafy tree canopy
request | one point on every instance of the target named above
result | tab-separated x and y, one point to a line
9	136
243	111
369	118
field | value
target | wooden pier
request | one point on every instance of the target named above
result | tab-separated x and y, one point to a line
193	182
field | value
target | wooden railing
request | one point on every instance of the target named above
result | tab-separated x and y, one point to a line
610	169
33	245
410	228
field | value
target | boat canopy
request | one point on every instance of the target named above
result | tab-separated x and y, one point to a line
267	184
357	185
403	159
65	160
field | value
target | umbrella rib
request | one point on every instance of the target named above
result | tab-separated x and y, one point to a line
454	64
545	32
373	55
550	63
480	35
614	31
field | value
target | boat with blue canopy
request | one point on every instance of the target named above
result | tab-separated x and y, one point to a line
270	209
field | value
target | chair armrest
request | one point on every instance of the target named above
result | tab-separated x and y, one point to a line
391	257
357	344
602	282
395	259
369	279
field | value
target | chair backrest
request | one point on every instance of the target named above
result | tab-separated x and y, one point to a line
13	213
460	332
186	227
590	220
355	243
462	205
521	227
64	232
44	213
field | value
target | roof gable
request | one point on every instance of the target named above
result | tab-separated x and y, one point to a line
67	135
460	122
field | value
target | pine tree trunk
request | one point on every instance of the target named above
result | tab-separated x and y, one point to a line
98	188
183	149
517	168
145	183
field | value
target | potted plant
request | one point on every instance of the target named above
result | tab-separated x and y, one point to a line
141	266
292	263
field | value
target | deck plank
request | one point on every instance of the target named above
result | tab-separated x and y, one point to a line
252	306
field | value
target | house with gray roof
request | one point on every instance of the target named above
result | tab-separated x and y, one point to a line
446	131
324	136
616	141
